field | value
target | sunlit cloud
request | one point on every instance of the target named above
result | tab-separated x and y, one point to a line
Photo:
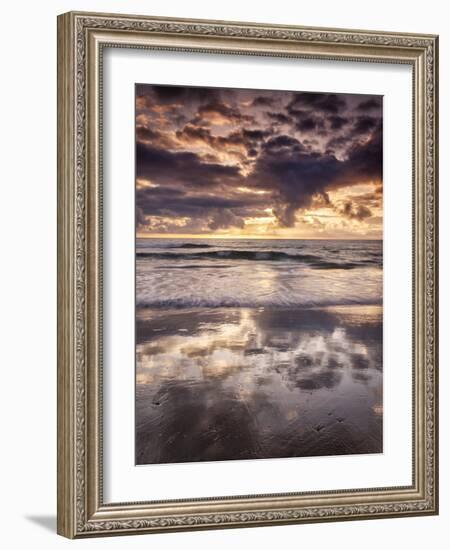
251	163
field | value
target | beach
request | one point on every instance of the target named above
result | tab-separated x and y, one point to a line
296	375
221	384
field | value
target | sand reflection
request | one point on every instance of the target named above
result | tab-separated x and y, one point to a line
220	384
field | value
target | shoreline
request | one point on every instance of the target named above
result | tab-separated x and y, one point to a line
242	383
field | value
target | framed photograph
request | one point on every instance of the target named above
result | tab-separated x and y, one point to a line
247	286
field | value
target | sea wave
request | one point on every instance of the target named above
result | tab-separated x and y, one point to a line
258	255
250	302
228	254
186	274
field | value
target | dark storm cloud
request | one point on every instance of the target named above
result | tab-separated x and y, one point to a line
183	203
283	141
365	161
262	101
245	138
175	195
214	211
146	134
215	142
364	124
164	166
256	135
327	103
224	218
369	104
190	131
356	212
197	212
296	177
307	120
337	122
140	216
157	95
279	118
308	123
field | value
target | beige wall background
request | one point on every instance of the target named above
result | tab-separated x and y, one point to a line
28	272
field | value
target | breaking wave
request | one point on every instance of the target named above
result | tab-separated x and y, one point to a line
262	273
257	255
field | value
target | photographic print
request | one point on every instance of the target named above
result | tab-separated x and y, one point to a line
247	274
259	274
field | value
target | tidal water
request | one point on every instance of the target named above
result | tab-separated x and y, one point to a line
254	273
257	349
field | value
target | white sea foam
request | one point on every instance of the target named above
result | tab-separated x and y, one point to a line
257	273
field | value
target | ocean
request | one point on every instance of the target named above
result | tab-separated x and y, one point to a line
254	349
257	273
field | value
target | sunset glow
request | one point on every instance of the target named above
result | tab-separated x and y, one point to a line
221	163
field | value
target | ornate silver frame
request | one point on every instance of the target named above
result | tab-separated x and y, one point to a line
81	39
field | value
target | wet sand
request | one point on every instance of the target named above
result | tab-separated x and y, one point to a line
242	383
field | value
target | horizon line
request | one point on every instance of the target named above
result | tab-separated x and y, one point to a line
255	238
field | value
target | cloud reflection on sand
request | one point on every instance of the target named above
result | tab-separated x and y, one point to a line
226	383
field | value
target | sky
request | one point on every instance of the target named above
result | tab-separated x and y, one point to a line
230	163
